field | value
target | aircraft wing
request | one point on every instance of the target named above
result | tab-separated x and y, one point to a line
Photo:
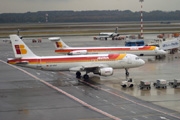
90	67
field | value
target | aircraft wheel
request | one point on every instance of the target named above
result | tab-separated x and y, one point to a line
86	77
131	85
78	74
127	73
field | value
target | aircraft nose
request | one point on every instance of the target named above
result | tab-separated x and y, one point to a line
163	52
141	62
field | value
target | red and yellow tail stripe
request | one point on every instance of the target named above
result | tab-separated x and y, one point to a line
20	49
59	45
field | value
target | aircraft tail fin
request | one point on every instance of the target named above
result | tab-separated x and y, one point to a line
59	44
19	47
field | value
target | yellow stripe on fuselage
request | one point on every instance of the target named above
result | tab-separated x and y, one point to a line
12	62
152	48
121	56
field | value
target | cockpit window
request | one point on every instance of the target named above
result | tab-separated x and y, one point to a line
137	58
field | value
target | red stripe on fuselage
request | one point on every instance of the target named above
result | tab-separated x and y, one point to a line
145	48
68	59
104	49
76	59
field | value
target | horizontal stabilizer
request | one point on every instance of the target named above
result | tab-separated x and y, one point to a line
54	38
59	44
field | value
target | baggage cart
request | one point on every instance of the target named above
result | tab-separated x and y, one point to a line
144	84
161	83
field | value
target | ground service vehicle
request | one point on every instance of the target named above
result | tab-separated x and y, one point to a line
128	83
175	83
144	84
134	43
161	83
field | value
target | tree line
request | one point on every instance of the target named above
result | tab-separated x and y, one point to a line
87	16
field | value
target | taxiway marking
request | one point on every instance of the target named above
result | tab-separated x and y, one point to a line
97	97
130	100
145	117
65	93
133	112
113	104
108	91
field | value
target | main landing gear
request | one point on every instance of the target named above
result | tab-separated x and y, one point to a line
86	77
78	75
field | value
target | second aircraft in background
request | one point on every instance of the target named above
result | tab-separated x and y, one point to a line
61	47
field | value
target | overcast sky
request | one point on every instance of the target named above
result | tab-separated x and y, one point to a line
16	6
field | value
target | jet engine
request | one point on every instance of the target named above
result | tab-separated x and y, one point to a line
78	52
108	71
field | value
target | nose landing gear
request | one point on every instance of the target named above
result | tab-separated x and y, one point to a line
127	73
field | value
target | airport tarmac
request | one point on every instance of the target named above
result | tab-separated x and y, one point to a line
87	28
28	94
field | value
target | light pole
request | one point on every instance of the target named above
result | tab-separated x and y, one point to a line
46	18
141	18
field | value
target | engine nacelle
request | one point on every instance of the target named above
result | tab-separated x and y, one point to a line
78	52
108	71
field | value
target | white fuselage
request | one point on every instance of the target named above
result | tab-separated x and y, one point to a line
140	51
56	63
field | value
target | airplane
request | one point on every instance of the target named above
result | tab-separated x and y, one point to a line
61	47
101	64
105	35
